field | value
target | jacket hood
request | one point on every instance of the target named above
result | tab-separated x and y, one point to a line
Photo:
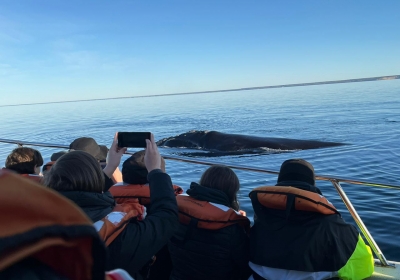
207	194
95	205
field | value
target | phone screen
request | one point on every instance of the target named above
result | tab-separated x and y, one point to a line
133	139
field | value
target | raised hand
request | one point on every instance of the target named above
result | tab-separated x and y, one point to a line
152	158
114	157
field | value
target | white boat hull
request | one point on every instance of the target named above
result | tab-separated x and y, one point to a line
392	273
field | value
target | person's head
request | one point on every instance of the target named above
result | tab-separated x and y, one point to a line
46	167
75	171
294	171
297	170
57	155
222	178
24	160
134	170
88	145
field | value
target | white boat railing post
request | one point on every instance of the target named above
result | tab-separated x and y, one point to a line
360	223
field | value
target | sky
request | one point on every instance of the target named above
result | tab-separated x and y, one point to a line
53	50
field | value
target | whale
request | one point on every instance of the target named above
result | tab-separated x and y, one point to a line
215	141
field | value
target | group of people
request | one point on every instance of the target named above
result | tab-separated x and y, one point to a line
87	219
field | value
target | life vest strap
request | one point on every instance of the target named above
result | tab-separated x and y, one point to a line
289	204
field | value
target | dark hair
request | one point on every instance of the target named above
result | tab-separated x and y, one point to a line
222	178
23	160
75	171
134	169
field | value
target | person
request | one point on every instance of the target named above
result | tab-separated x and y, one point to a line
135	187
135	184
24	160
88	145
99	152
46	167
211	242
132	241
45	236
299	234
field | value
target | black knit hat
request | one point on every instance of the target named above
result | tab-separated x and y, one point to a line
88	145
297	170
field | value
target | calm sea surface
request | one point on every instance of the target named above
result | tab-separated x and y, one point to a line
366	116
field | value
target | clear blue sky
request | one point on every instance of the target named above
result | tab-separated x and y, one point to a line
65	49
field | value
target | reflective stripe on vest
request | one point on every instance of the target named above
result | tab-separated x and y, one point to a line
123	192
210	216
276	197
115	222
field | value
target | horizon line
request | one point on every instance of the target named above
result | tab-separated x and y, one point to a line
380	78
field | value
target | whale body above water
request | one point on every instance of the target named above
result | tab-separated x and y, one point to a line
226	142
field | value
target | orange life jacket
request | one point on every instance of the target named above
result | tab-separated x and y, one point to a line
276	197
123	192
208	215
40	224
115	222
33	177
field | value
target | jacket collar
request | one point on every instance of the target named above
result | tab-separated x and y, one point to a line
300	185
208	194
95	205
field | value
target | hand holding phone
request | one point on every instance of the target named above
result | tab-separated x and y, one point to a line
113	158
152	157
133	139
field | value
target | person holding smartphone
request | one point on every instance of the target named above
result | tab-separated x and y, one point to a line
131	242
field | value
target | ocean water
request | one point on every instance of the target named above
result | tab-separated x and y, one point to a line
365	116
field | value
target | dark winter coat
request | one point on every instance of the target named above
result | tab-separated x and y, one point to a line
140	240
209	254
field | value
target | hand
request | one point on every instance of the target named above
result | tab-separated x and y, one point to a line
152	158
243	213
114	157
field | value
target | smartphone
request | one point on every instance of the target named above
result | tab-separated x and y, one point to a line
133	139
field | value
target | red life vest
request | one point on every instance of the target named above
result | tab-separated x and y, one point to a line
115	222
33	177
276	197
208	215
123	192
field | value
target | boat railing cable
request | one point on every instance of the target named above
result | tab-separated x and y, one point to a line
334	180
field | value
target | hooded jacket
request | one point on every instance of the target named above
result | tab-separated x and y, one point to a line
140	240
199	253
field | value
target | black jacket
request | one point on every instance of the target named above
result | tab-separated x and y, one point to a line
139	241
209	254
300	240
